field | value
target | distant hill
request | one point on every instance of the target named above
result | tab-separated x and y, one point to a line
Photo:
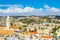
58	17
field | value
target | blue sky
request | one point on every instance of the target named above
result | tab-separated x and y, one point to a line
32	3
36	7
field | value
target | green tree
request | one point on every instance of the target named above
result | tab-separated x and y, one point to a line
55	29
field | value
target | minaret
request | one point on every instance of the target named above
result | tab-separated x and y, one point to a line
8	22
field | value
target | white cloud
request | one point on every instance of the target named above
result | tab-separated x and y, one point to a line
55	9
28	9
16	9
51	9
19	10
46	6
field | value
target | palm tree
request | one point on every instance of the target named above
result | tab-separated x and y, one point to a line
54	30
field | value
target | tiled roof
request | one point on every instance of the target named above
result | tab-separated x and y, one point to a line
16	27
46	37
31	33
7	32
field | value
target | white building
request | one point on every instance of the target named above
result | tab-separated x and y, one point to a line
58	32
12	38
8	22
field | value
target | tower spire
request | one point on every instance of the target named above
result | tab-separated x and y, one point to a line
8	22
